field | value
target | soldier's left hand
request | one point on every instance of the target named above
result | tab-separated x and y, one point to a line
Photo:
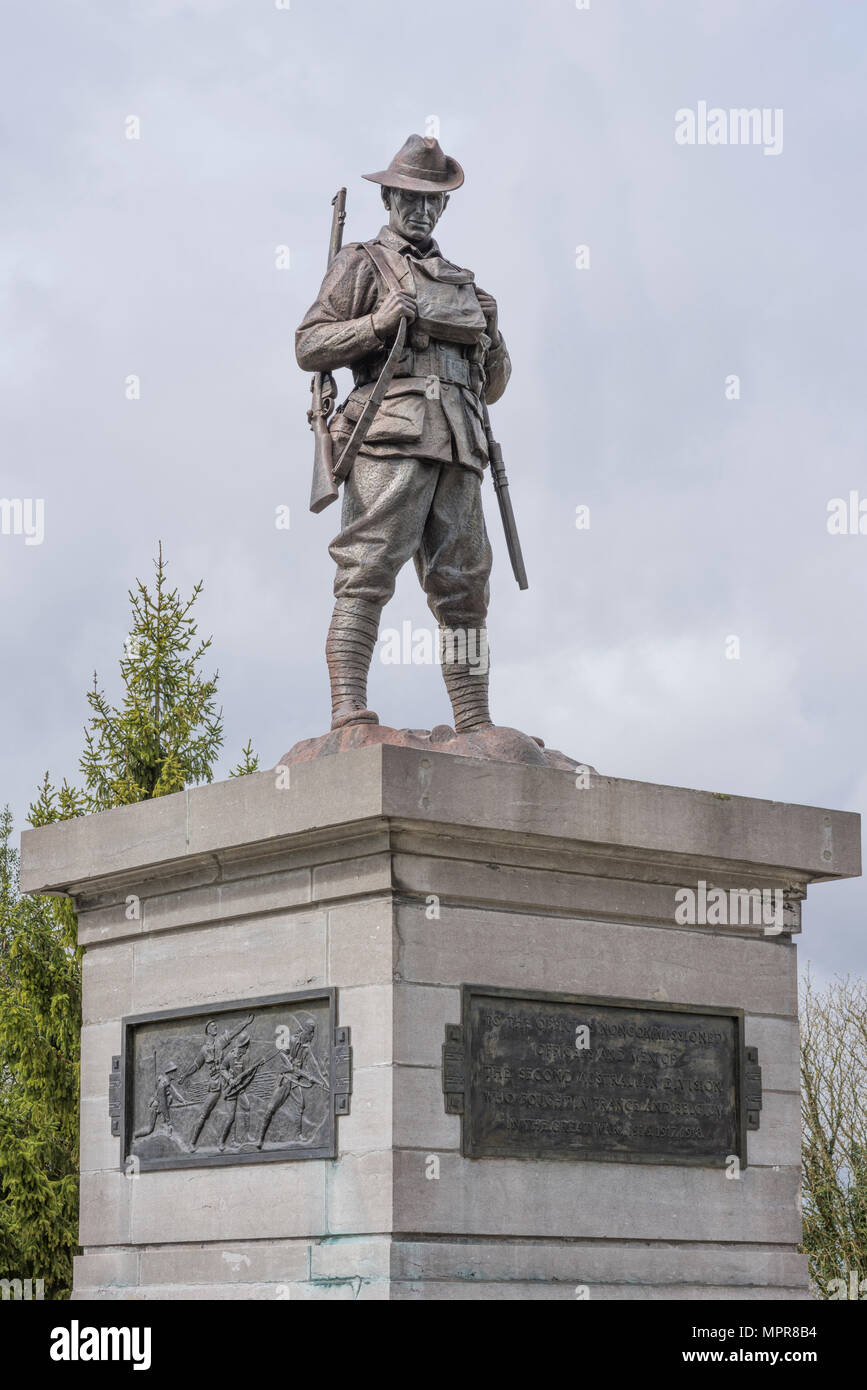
488	306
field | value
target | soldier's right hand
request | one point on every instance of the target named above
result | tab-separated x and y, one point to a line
394	307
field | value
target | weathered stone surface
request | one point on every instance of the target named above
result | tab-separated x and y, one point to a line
361	942
351	1268
353	1290
349	878
592	1263
245	897
421	1013
428	1292
778	1042
420	1121
777	1141
108	924
560	953
105	1204
245	960
272	1201
271	1262
368	1011
107	983
374	782
97	1147
360	1194
397	874
368	1126
351	1257
599	1200
262	1269
99	1043
455	877
105	1269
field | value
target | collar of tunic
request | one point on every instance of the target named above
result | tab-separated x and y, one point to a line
392	239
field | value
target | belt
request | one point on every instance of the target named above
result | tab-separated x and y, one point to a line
443	362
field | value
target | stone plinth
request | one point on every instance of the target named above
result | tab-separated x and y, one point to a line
396	876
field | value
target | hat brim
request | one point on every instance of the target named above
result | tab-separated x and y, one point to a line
390	178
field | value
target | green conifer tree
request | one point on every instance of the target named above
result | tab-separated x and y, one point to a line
165	734
249	761
40	1020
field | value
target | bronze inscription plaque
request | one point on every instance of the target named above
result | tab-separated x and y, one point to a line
568	1077
241	1082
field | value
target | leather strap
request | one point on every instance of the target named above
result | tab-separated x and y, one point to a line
448	366
382	264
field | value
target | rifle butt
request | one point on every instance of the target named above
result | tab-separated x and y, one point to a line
323	490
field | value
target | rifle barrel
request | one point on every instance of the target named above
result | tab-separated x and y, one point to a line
338	202
324	490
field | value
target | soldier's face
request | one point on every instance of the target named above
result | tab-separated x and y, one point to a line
414	215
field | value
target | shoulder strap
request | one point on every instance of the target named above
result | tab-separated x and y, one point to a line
383	265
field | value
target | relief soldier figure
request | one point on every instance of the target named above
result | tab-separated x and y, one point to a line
165	1095
211	1055
236	1073
414	489
300	1072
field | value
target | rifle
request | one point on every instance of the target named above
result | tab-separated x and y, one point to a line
501	486
299	1075
356	440
372	404
324	489
238	1083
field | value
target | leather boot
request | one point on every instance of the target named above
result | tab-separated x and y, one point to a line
348	651
466	681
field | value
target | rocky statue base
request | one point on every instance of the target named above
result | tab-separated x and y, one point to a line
497	744
400	1023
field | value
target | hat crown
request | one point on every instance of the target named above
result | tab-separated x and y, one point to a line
421	164
422	156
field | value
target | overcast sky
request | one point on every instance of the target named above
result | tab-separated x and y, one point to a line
156	257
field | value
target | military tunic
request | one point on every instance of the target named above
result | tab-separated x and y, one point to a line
414	490
338	331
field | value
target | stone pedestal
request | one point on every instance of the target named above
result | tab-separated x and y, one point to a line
396	877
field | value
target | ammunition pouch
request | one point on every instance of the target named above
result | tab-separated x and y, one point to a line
399	419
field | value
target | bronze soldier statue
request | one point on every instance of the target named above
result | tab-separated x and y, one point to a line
414	489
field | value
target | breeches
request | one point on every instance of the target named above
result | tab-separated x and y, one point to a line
395	510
